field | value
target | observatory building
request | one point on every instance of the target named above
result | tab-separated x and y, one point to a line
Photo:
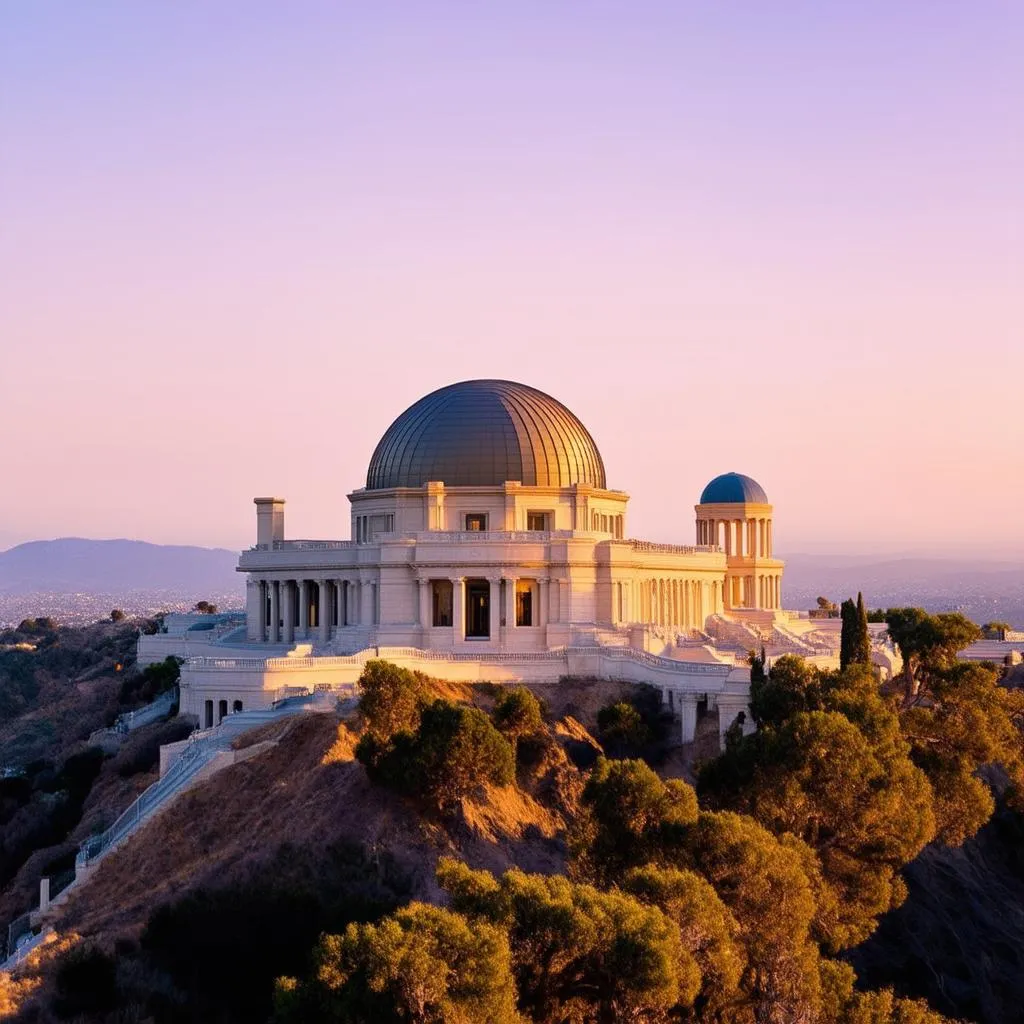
487	524
487	544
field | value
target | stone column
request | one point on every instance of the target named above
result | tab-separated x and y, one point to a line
323	613
253	616
458	609
288	600
494	626
510	603
274	632
544	600
365	606
424	605
304	609
687	704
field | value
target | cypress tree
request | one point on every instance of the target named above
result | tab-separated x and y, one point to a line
862	645
848	636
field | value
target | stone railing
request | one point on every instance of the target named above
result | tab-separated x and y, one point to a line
653	547
304	545
488	536
500	657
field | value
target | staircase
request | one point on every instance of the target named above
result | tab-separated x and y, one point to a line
737	636
200	750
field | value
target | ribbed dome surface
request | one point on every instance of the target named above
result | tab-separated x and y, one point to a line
733	488
480	433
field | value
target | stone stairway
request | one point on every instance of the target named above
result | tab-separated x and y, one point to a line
736	636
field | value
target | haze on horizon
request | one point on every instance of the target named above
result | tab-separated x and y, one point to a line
239	239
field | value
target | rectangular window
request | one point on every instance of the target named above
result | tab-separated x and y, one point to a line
441	594
537	521
524	603
476	521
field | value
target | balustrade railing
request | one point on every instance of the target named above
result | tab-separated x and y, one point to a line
655	548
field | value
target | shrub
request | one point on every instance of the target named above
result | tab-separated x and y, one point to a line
517	714
392	698
86	983
147	685
421	964
452	753
620	725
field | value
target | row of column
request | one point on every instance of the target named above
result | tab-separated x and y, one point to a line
280	610
746	538
684	604
755	591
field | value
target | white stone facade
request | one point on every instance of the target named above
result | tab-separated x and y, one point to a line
516	578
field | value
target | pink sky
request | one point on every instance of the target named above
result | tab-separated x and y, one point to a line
786	239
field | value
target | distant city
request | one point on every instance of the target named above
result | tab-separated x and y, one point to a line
77	609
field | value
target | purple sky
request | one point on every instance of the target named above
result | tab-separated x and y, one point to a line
238	239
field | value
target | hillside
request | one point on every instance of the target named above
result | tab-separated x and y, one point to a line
230	886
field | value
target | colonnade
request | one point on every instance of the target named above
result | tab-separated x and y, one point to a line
748	538
677	603
281	610
755	590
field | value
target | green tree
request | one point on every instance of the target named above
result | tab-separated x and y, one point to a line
862	641
391	700
421	965
621	727
967	722
792	685
763	884
847	637
865	809
928	645
453	752
842	1004
206	608
758	666
579	953
995	630
628	817
457	750
517	715
707	929
117	615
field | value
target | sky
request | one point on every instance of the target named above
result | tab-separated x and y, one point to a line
786	239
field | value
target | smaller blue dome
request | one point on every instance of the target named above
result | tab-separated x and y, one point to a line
733	488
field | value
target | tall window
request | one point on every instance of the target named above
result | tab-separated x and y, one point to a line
524	603
476	521
442	602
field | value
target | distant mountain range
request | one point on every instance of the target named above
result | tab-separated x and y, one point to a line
75	565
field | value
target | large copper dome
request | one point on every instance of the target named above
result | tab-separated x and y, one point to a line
480	433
